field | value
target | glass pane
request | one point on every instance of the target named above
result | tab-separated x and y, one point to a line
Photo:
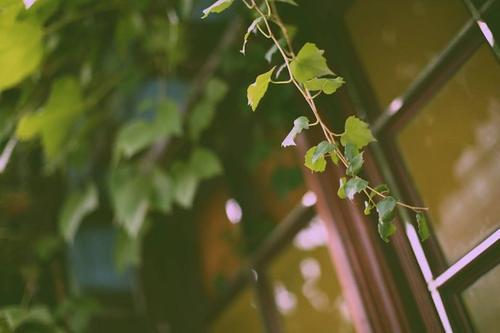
482	300
306	289
452	151
395	39
240	316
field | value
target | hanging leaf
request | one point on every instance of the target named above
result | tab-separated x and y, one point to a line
163	191
76	206
299	124
217	7
423	228
127	250
319	165
385	230
251	28
368	208
203	113
355	159
353	186
130	193
20	49
326	85
382	189
356	132
324	147
386	209
204	163
258	89
309	64
139	134
55	123
186	183
341	191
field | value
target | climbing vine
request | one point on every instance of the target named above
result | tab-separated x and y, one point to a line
308	71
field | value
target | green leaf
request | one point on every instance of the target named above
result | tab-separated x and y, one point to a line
203	113
385	230
386	209
215	90
353	186
341	191
127	250
324	147
76	206
251	28
319	165
356	132
55	123
163	191
204	163
327	85
309	64
382	189
368	208
130	192
299	124
15	317
355	159
423	228
21	49
258	89
186	183
217	7
138	134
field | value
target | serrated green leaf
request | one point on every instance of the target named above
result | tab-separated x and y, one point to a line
350	152
299	124
386	209
353	186
309	64
217	7
355	159
324	147
341	191
356	132
258	89
20	48
76	206
385	230
251	28
423	228
54	124
327	85
205	163
319	165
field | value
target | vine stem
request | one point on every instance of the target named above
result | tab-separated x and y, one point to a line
329	135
